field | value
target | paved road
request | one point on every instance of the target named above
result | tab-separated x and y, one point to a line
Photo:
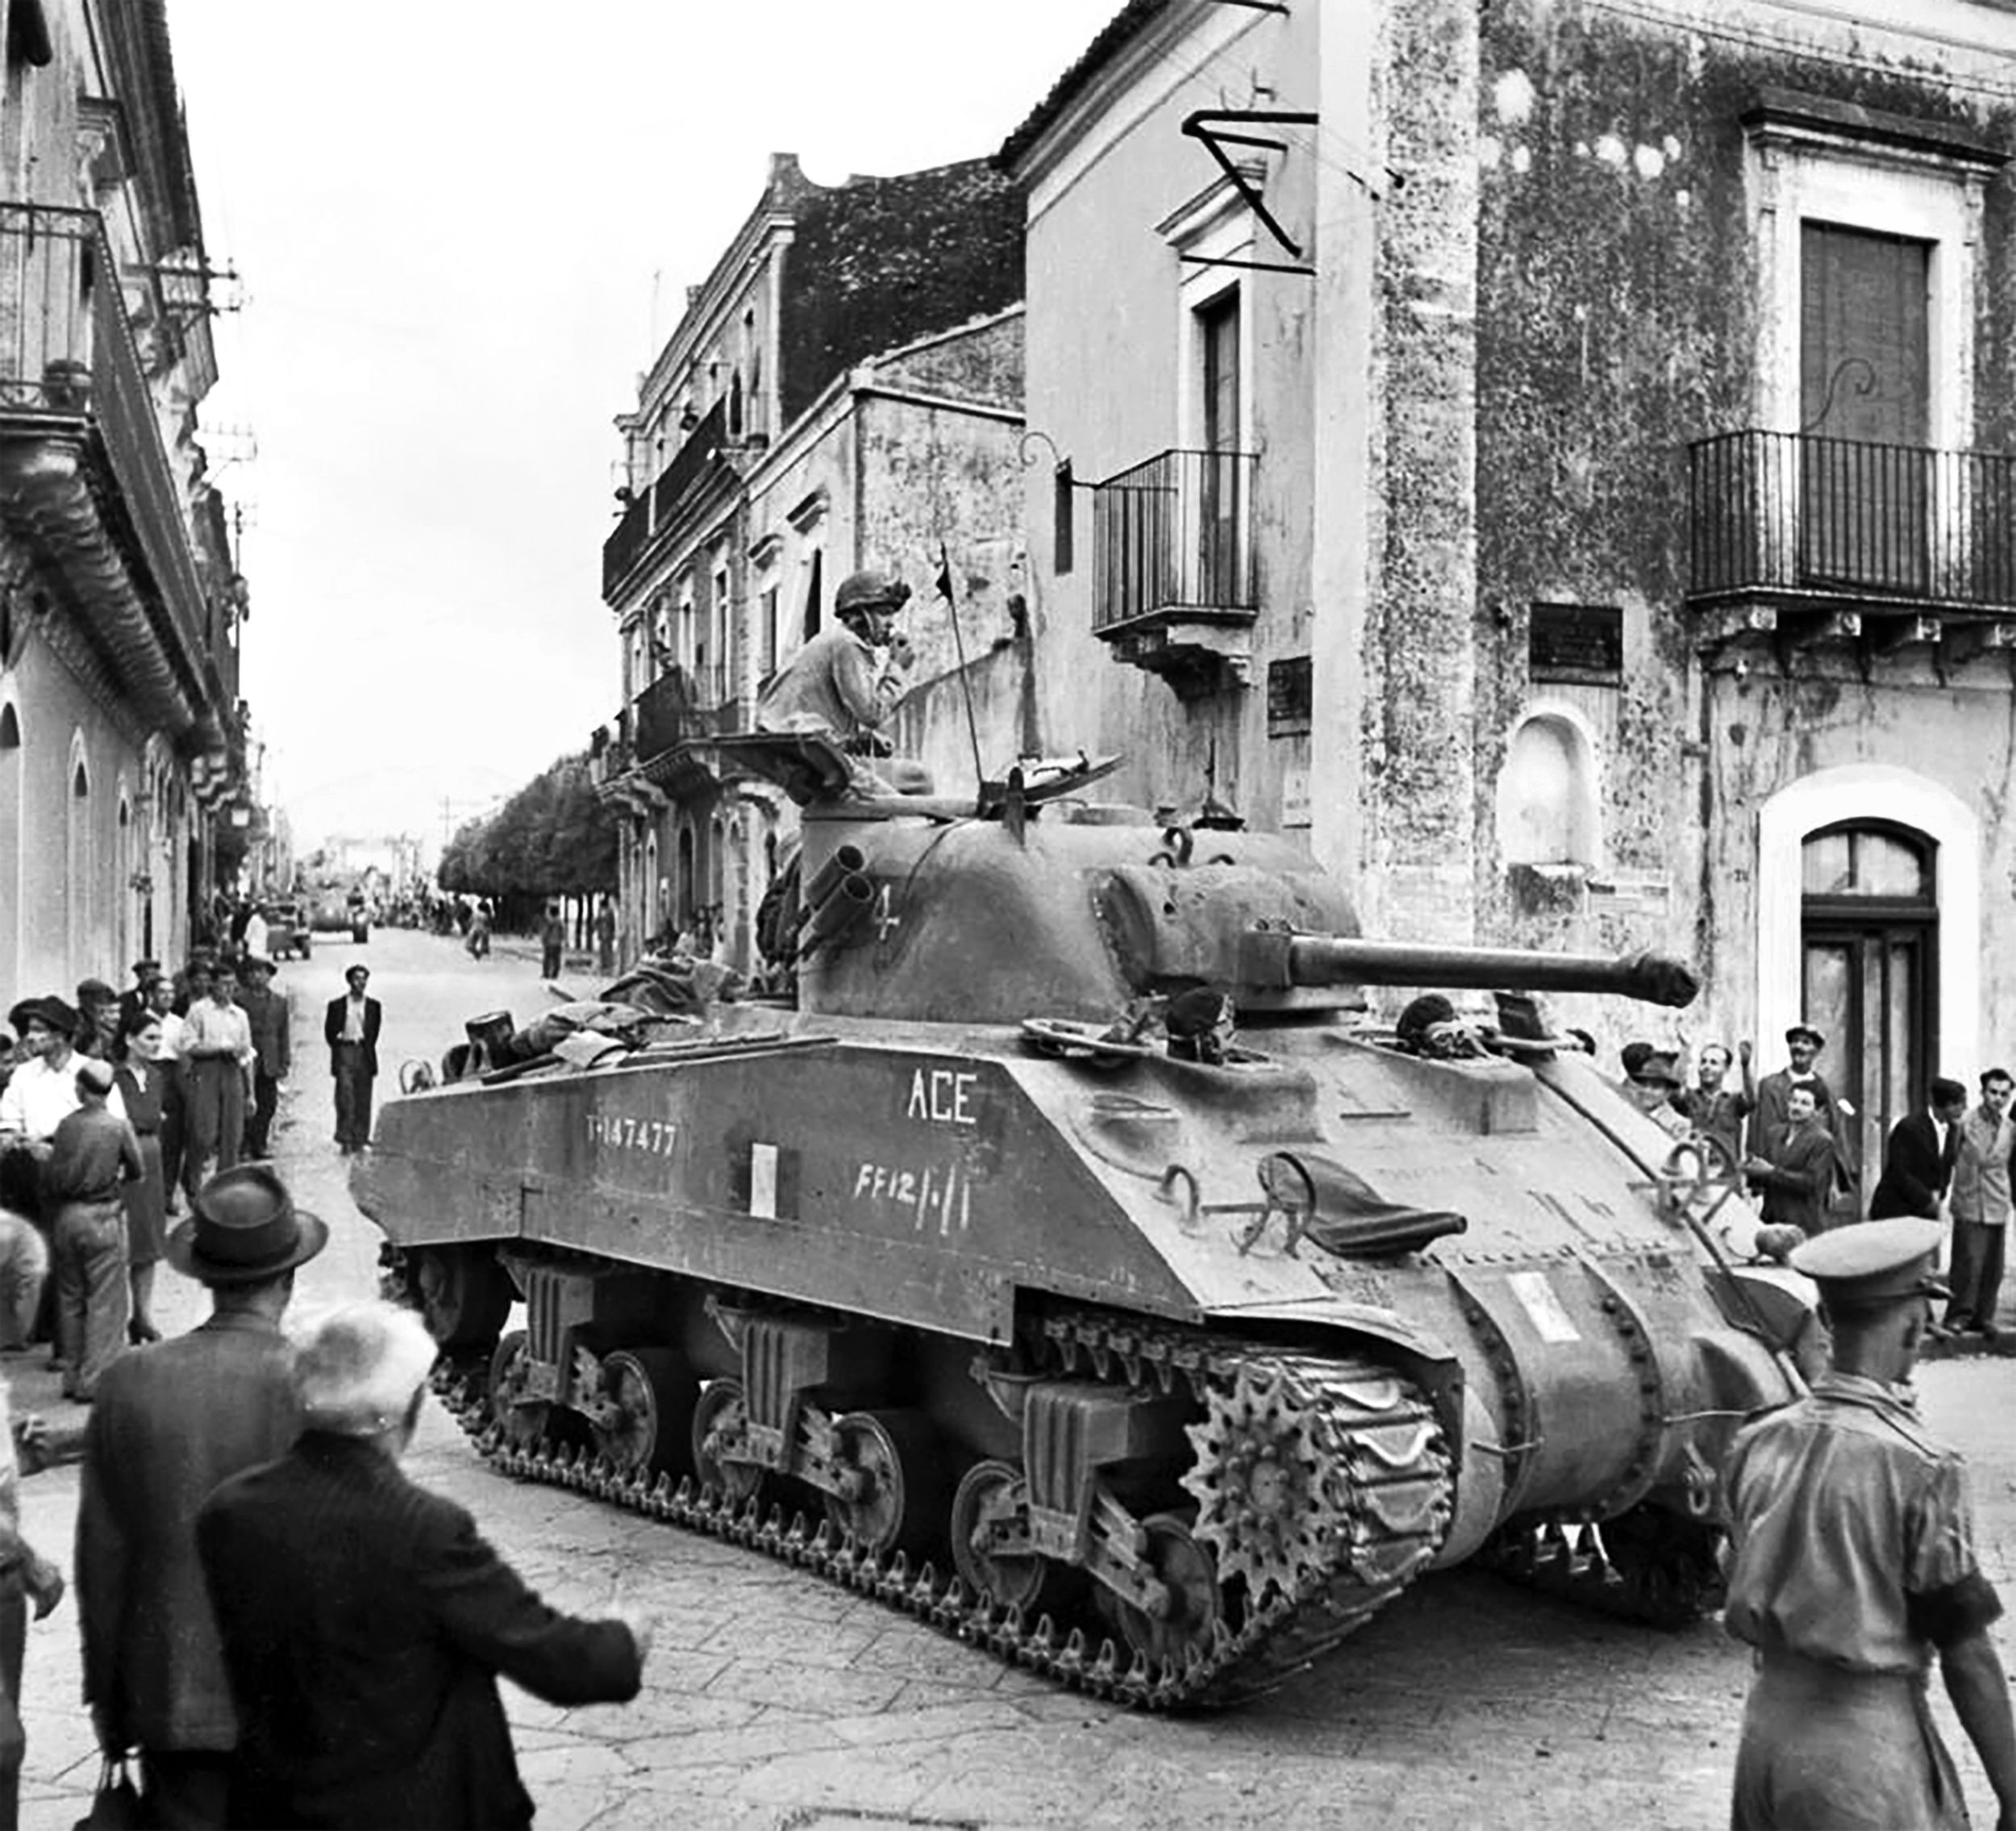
773	1701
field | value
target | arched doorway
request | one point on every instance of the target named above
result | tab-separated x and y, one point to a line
79	869
1869	971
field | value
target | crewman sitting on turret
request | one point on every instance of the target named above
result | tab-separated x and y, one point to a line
846	680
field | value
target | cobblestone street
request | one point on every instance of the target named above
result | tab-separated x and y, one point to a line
774	1700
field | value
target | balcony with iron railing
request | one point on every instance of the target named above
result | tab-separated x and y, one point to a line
1798	534
679	710
88	482
1174	585
654	510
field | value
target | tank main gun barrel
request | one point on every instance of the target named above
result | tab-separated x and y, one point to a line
1275	958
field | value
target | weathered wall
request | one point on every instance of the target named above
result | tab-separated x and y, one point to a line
1419	656
1109	370
1618	261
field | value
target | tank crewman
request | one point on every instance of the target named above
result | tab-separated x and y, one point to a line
1853	1568
1200	1024
845	681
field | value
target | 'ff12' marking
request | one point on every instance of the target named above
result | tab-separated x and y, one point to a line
939	1197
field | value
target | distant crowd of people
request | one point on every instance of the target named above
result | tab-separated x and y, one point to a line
115	1110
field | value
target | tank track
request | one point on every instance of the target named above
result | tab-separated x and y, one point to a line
1385	1508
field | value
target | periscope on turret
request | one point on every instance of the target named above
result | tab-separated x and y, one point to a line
933	1266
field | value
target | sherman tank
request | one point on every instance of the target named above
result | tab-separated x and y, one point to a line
942	1276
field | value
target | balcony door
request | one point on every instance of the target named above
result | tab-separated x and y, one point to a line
1219	504
1869	942
1864	406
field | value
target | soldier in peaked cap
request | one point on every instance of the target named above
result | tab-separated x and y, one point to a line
1853	1570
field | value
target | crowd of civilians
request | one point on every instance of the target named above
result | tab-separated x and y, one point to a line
277	1627
114	1111
1792	1138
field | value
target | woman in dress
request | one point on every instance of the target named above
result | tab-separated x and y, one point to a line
143	1083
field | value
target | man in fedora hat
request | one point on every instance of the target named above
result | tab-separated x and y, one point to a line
1853	1570
270	1015
365	1621
171	1422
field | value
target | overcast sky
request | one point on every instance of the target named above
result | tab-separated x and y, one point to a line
453	219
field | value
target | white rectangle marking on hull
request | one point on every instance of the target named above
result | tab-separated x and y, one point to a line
1543	1308
763	1180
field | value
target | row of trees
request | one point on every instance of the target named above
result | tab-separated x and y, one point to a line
553	838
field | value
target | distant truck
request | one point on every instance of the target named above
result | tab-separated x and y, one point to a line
340	908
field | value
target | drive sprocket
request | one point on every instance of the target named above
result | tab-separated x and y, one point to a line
1263	1478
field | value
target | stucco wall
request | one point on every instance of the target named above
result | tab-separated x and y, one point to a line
1109	379
1617	320
69	913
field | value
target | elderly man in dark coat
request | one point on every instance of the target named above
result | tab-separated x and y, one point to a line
170	1424
364	1620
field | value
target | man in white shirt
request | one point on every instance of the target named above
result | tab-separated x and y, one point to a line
256	933
218	1054
41	1091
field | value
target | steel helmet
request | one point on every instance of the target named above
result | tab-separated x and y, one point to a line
861	592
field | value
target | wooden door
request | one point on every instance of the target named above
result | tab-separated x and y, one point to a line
1218	327
1870	970
1864	399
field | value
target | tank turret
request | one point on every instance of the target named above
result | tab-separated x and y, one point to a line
1153	1373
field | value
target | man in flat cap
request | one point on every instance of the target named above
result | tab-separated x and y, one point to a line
170	1424
1803	1044
1853	1570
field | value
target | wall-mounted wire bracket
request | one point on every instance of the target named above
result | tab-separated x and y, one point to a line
1214	128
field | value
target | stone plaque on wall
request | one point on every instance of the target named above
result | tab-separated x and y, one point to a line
1287	697
1582	644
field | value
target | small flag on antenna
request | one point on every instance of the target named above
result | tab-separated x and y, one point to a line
944	579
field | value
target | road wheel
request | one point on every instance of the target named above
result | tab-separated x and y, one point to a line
990	1496
1185	1614
721	1418
895	1488
465	1295
522	1419
653	1391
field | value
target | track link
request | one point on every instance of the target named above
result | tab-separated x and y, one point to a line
1382	1471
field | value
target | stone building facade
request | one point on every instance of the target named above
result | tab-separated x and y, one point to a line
122	732
843	390
1590	517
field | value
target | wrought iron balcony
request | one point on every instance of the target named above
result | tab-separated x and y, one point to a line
1847	532
1174	587
679	710
84	478
656	510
